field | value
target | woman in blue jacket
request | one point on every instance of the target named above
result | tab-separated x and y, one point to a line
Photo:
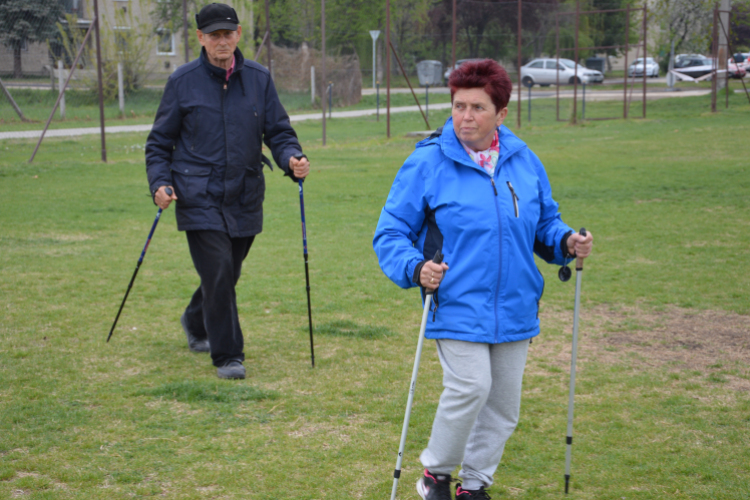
480	195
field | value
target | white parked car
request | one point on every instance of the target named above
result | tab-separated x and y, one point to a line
542	71
636	69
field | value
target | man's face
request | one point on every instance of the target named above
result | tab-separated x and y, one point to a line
220	44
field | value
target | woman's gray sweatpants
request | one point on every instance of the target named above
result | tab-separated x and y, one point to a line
478	410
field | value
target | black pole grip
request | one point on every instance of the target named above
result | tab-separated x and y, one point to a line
299	157
438	258
168	190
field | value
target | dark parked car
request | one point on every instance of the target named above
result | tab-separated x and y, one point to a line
696	66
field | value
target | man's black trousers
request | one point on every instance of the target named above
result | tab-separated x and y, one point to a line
212	311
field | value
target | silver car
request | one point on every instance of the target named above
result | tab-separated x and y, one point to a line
542	71
636	69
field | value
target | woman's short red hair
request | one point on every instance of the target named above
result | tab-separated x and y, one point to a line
485	74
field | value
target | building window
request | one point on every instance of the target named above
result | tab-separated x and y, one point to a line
122	5
165	42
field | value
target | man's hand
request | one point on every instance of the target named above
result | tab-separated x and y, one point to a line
162	199
580	246
432	274
300	168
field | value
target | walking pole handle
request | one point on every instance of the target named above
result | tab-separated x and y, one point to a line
437	259
579	260
299	157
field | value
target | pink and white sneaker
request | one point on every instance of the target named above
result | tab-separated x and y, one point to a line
434	487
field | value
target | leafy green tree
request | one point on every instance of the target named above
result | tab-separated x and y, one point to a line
739	31
687	23
608	29
167	14
27	21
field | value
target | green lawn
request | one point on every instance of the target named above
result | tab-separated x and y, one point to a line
82	108
663	394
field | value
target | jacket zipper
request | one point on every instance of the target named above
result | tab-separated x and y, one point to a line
515	198
224	119
499	260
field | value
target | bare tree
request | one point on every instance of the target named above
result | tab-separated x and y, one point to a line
686	22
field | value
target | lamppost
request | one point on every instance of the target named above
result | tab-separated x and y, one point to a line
374	34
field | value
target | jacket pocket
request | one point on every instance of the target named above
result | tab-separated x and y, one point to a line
191	184
255	188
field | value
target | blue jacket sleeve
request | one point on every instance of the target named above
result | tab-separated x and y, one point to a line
278	133
162	139
551	231
399	226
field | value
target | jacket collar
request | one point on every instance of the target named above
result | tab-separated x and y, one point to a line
453	149
221	73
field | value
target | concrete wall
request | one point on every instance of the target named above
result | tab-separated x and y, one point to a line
33	60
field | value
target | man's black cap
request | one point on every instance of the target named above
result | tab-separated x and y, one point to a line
217	16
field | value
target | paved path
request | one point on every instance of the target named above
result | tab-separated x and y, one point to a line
600	95
72	132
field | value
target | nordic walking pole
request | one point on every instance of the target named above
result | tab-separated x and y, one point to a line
138	266
572	393
405	429
307	272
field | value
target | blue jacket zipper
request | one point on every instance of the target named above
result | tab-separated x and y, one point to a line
515	197
499	260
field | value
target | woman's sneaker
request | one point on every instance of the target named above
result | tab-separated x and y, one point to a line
480	494
434	487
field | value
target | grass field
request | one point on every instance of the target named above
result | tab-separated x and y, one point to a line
663	388
82	108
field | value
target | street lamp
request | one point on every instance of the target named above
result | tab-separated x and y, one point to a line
374	34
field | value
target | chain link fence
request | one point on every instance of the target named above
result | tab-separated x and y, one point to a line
143	42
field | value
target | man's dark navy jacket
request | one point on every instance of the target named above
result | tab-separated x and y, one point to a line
206	143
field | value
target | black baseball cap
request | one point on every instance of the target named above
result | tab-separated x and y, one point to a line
216	16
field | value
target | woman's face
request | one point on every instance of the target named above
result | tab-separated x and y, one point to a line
475	118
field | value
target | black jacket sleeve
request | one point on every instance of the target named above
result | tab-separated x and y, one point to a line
162	139
278	133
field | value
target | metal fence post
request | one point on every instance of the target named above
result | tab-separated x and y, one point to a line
312	84
120	89
61	80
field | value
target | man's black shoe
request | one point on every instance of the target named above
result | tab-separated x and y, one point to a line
434	487
232	370
195	344
480	494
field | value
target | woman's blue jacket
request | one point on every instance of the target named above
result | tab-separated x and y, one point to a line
487	228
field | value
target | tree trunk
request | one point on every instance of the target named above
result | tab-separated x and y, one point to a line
17	72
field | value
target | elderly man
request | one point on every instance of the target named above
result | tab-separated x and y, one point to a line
206	146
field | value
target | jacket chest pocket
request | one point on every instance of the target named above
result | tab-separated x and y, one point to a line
521	199
254	189
191	185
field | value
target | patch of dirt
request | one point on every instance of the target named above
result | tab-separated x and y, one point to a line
673	338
